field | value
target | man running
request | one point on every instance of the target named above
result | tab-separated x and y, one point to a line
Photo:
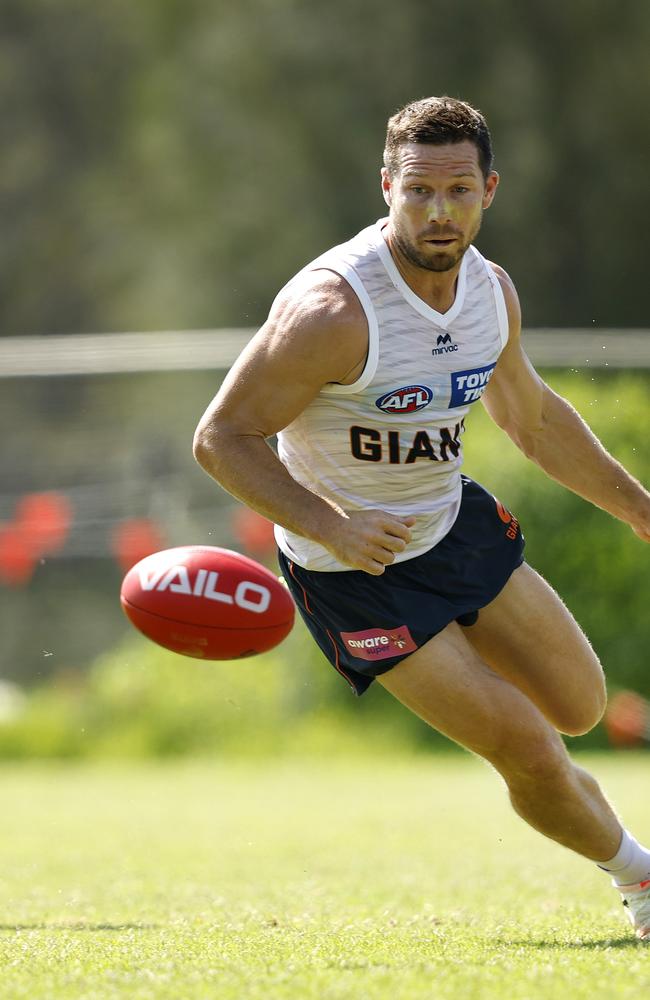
404	570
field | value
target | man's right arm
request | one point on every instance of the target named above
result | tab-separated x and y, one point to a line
316	333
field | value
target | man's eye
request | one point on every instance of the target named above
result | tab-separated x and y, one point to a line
459	189
416	189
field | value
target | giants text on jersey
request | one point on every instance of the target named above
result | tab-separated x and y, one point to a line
393	439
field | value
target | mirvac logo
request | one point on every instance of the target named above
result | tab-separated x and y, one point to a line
444	344
408	399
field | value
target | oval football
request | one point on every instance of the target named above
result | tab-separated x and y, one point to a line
207	602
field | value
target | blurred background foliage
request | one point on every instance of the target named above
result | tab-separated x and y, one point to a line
169	165
95	687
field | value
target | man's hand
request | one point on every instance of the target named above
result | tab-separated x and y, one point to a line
369	539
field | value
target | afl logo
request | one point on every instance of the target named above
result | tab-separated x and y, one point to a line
405	400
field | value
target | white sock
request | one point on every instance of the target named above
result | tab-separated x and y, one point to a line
630	864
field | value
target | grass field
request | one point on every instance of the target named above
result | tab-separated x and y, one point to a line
306	881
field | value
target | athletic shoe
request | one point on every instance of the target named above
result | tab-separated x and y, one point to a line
636	900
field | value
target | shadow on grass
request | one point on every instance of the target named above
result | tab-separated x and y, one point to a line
78	927
600	944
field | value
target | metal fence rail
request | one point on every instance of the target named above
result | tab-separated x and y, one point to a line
177	350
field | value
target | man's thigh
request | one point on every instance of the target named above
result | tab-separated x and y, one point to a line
448	685
528	636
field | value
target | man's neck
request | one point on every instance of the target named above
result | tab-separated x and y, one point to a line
436	288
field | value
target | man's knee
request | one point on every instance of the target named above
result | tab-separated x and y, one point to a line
539	757
584	712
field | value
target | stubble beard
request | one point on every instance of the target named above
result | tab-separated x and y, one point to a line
438	262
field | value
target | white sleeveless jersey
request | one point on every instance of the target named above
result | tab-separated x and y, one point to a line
392	439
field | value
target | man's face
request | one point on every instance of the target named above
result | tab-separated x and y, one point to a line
437	198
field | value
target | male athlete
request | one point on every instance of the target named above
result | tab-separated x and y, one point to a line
404	570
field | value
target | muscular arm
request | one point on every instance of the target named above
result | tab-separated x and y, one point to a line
316	333
550	432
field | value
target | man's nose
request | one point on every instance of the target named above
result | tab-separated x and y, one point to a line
438	209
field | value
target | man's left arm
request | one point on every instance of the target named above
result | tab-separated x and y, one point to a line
549	431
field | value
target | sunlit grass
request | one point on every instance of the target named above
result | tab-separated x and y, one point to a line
394	878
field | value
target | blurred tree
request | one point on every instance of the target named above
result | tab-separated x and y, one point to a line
170	165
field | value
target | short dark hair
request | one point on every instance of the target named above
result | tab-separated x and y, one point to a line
438	120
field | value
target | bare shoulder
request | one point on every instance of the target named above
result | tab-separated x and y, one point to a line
318	317
317	296
507	287
511	299
316	333
513	396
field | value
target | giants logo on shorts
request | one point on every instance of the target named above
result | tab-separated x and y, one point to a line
509	519
378	643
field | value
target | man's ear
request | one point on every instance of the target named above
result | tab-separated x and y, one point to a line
386	185
490	188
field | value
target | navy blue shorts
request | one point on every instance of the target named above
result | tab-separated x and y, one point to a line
366	624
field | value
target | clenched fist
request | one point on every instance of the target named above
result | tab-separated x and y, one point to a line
369	539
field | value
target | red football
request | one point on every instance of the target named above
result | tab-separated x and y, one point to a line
206	602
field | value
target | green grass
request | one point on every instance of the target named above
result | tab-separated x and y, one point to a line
303	880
